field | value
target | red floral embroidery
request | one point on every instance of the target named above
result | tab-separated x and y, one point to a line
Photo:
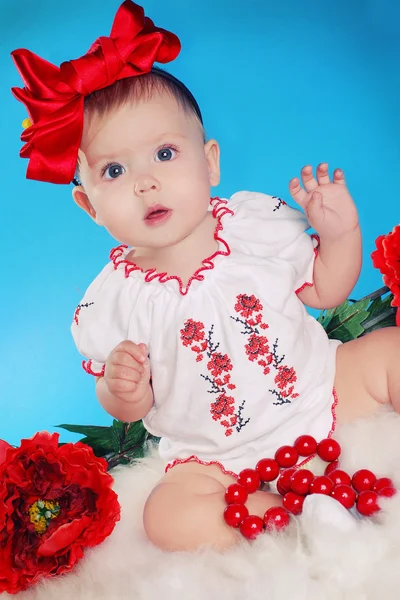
192	331
259	349
219	365
247	305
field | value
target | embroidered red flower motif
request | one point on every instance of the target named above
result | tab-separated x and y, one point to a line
219	377
257	346
219	363
55	501
247	305
285	376
386	258
193	331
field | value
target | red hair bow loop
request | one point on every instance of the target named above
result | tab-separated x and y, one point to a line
54	96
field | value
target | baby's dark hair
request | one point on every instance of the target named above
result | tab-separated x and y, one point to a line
136	88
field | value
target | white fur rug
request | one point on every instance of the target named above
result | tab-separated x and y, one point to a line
307	563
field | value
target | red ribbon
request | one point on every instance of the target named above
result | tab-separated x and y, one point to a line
54	96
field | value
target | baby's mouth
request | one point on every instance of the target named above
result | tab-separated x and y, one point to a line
156	213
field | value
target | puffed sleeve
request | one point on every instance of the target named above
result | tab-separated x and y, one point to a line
266	226
108	314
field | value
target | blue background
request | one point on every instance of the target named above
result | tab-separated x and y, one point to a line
280	85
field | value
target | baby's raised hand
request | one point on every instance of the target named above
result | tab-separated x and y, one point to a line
327	204
127	372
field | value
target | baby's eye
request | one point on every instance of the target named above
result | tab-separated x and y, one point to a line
112	171
166	153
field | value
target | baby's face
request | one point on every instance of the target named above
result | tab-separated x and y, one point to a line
146	172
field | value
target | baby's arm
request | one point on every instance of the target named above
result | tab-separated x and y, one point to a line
125	391
331	211
336	270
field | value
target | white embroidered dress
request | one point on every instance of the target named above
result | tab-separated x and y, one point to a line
239	367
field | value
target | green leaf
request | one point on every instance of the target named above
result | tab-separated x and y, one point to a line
117	435
344	323
97	437
89	430
135	433
98	446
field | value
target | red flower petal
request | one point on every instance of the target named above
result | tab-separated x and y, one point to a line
63	537
4	446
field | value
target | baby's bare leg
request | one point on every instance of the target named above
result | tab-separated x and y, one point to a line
368	374
185	510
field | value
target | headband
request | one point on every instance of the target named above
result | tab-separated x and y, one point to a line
54	96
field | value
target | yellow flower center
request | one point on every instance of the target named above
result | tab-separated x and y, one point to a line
41	513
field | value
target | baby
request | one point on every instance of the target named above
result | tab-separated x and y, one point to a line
198	324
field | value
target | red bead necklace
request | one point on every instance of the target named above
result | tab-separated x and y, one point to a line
293	484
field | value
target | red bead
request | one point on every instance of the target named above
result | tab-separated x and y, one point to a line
236	494
382	482
331	467
286	456
321	485
293	503
234	514
340	477
329	450
306	445
251	527
268	469
367	503
283	483
276	518
249	479
344	494
300	481
387	492
363	480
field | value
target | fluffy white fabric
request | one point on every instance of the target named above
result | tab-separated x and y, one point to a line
313	560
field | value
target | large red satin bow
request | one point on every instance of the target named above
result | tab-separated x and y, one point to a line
54	96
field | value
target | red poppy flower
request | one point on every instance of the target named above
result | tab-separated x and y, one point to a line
386	258
54	502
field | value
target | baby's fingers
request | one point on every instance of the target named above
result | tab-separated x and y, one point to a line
298	194
121	386
127	373
338	177
137	352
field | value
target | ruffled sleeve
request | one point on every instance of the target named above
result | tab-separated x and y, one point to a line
265	226
107	315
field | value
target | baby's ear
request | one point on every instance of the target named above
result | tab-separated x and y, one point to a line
212	152
82	200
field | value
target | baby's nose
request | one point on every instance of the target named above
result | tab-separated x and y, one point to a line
146	183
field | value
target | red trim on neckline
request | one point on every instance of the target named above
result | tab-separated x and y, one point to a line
220	209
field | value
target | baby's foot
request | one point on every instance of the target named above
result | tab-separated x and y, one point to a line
319	508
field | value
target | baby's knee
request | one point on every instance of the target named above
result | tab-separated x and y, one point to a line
158	515
176	520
